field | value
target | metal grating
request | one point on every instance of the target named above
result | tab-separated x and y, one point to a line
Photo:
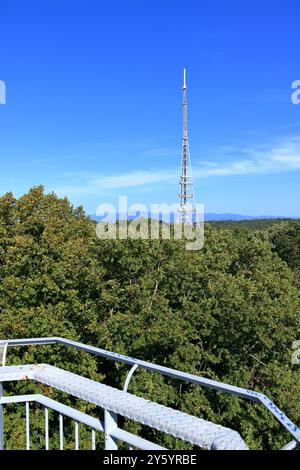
197	431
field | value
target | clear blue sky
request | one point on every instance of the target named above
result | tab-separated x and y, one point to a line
94	101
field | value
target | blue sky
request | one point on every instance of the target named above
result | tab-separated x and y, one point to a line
94	101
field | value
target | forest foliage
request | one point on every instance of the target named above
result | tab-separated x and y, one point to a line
228	312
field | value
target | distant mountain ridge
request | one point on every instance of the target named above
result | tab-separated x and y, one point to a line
209	216
229	216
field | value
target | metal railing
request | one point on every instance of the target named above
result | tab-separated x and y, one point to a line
116	403
110	421
95	425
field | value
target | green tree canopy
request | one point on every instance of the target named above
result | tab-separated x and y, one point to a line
229	311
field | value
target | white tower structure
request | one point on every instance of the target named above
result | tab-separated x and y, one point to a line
186	209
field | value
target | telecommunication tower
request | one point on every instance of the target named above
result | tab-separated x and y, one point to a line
186	211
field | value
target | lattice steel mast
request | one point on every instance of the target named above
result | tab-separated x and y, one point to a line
186	196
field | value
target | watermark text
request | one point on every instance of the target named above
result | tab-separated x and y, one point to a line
2	92
160	222
296	94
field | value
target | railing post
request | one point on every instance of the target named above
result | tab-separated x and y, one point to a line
3	361
46	428
1	420
61	432
129	375
76	435
93	439
27	426
110	423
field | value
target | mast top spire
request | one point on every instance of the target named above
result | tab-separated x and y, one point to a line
184	76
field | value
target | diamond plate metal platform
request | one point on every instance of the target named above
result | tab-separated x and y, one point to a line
197	431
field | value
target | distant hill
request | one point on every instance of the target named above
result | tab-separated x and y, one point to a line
229	216
247	224
208	217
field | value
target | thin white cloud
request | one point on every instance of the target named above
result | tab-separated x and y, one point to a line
160	152
277	159
135	178
228	161
101	183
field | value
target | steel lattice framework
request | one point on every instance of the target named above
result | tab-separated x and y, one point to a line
186	209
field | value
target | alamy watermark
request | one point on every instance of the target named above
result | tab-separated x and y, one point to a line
160	221
2	92
296	353
296	94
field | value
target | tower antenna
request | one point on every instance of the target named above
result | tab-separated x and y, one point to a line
186	206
